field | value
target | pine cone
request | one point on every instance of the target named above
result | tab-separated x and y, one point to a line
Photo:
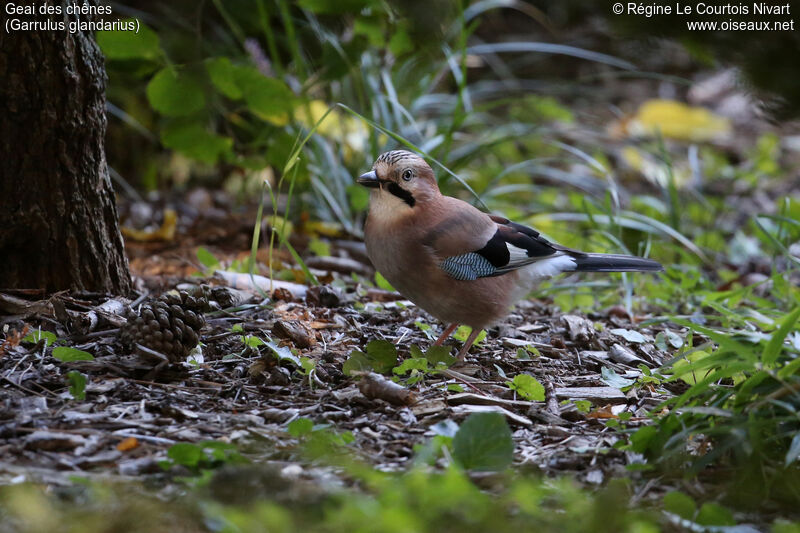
197	301
166	325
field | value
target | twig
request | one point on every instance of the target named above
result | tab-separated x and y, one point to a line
551	402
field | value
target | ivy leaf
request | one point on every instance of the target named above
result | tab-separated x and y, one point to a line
484	443
174	95
528	387
67	354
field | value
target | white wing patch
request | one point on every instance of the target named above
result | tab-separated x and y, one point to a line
517	254
549	267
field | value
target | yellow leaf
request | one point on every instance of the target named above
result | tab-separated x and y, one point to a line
165	233
326	229
676	120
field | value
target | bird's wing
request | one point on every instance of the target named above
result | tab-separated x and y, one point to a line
471	244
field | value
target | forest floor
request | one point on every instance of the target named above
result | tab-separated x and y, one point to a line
239	391
268	362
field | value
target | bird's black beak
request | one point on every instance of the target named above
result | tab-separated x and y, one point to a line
369	179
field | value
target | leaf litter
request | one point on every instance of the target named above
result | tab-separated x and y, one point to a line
347	356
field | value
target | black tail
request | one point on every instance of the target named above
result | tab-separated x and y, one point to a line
615	263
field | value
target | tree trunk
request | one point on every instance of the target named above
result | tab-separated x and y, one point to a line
58	217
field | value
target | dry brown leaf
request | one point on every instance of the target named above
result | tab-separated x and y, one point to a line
375	386
602	413
128	444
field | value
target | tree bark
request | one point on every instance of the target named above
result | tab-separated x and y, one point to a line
58	217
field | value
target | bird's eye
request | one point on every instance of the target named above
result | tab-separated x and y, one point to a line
408	174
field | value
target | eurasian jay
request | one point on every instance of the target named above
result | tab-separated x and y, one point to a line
456	262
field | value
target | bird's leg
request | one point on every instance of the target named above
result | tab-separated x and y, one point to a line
446	333
467	345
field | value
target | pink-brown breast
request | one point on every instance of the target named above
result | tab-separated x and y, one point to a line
398	250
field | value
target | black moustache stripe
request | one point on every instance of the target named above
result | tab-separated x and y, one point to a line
401	193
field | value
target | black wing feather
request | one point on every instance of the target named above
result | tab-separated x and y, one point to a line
511	247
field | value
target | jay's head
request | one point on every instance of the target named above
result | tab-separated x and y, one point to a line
401	179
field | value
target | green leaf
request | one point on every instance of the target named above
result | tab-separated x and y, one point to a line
284	353
319	248
307	364
641	439
680	504
410	364
357	362
440	356
194	141
206	258
129	45
612	379
463	332
400	43
773	348
300	427
583	406
382	283
67	354
712	514
222	74
174	95
77	385
528	387
268	98
484	443
39	334
382	355
223	452
252	341
186	454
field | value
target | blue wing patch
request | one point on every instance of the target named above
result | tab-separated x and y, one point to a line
467	267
